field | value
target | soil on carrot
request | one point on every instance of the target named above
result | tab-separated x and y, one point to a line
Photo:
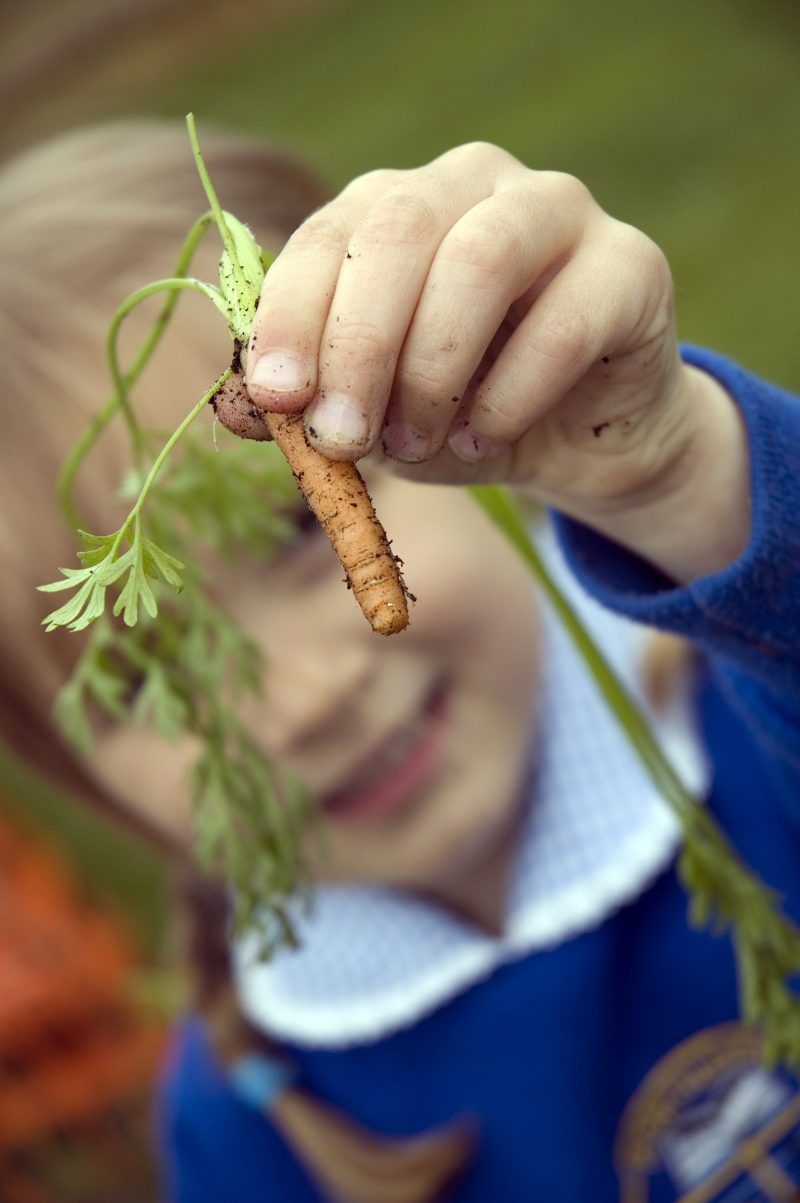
336	493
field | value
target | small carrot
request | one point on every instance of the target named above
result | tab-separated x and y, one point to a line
336	493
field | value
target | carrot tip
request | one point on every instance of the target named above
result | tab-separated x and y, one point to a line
389	619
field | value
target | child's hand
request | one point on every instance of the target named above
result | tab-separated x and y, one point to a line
485	322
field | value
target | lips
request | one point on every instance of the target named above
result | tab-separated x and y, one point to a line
395	771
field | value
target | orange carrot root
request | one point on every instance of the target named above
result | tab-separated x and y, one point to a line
336	493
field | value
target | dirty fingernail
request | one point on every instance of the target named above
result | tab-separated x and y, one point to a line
337	419
472	447
406	444
279	372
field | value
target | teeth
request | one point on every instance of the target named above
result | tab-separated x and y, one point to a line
389	758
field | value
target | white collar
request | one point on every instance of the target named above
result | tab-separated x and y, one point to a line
373	960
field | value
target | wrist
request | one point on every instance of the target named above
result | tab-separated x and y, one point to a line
689	512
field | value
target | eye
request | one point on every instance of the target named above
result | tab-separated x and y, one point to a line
303	522
299	528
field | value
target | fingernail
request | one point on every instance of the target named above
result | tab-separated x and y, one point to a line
279	372
337	419
472	447
406	444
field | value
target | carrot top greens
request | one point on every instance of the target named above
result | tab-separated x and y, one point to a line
181	664
176	660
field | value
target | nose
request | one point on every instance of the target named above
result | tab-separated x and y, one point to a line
313	691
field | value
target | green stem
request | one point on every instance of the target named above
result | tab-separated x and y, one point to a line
66	482
133	516
501	509
216	207
174	284
725	890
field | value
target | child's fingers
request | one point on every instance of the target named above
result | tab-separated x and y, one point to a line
289	329
338	300
284	345
488	260
382	274
603	303
378	317
382	277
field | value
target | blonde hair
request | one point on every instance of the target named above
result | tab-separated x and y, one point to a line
84	219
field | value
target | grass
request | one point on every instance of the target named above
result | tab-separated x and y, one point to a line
682	118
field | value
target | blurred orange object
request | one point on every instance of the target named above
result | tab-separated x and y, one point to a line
75	1054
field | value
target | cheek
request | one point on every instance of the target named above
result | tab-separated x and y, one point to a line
475	602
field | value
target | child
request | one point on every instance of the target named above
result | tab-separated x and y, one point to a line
497	993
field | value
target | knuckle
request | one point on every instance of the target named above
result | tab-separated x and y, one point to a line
568	189
425	379
364	338
654	263
372	183
400	218
565	339
644	258
636	247
478	152
319	233
490	246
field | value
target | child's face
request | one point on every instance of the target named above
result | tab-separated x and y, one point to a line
415	745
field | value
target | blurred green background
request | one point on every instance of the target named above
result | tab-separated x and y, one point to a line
683	118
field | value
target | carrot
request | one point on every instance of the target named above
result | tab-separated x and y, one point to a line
335	491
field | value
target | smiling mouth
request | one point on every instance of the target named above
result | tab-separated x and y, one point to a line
392	776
